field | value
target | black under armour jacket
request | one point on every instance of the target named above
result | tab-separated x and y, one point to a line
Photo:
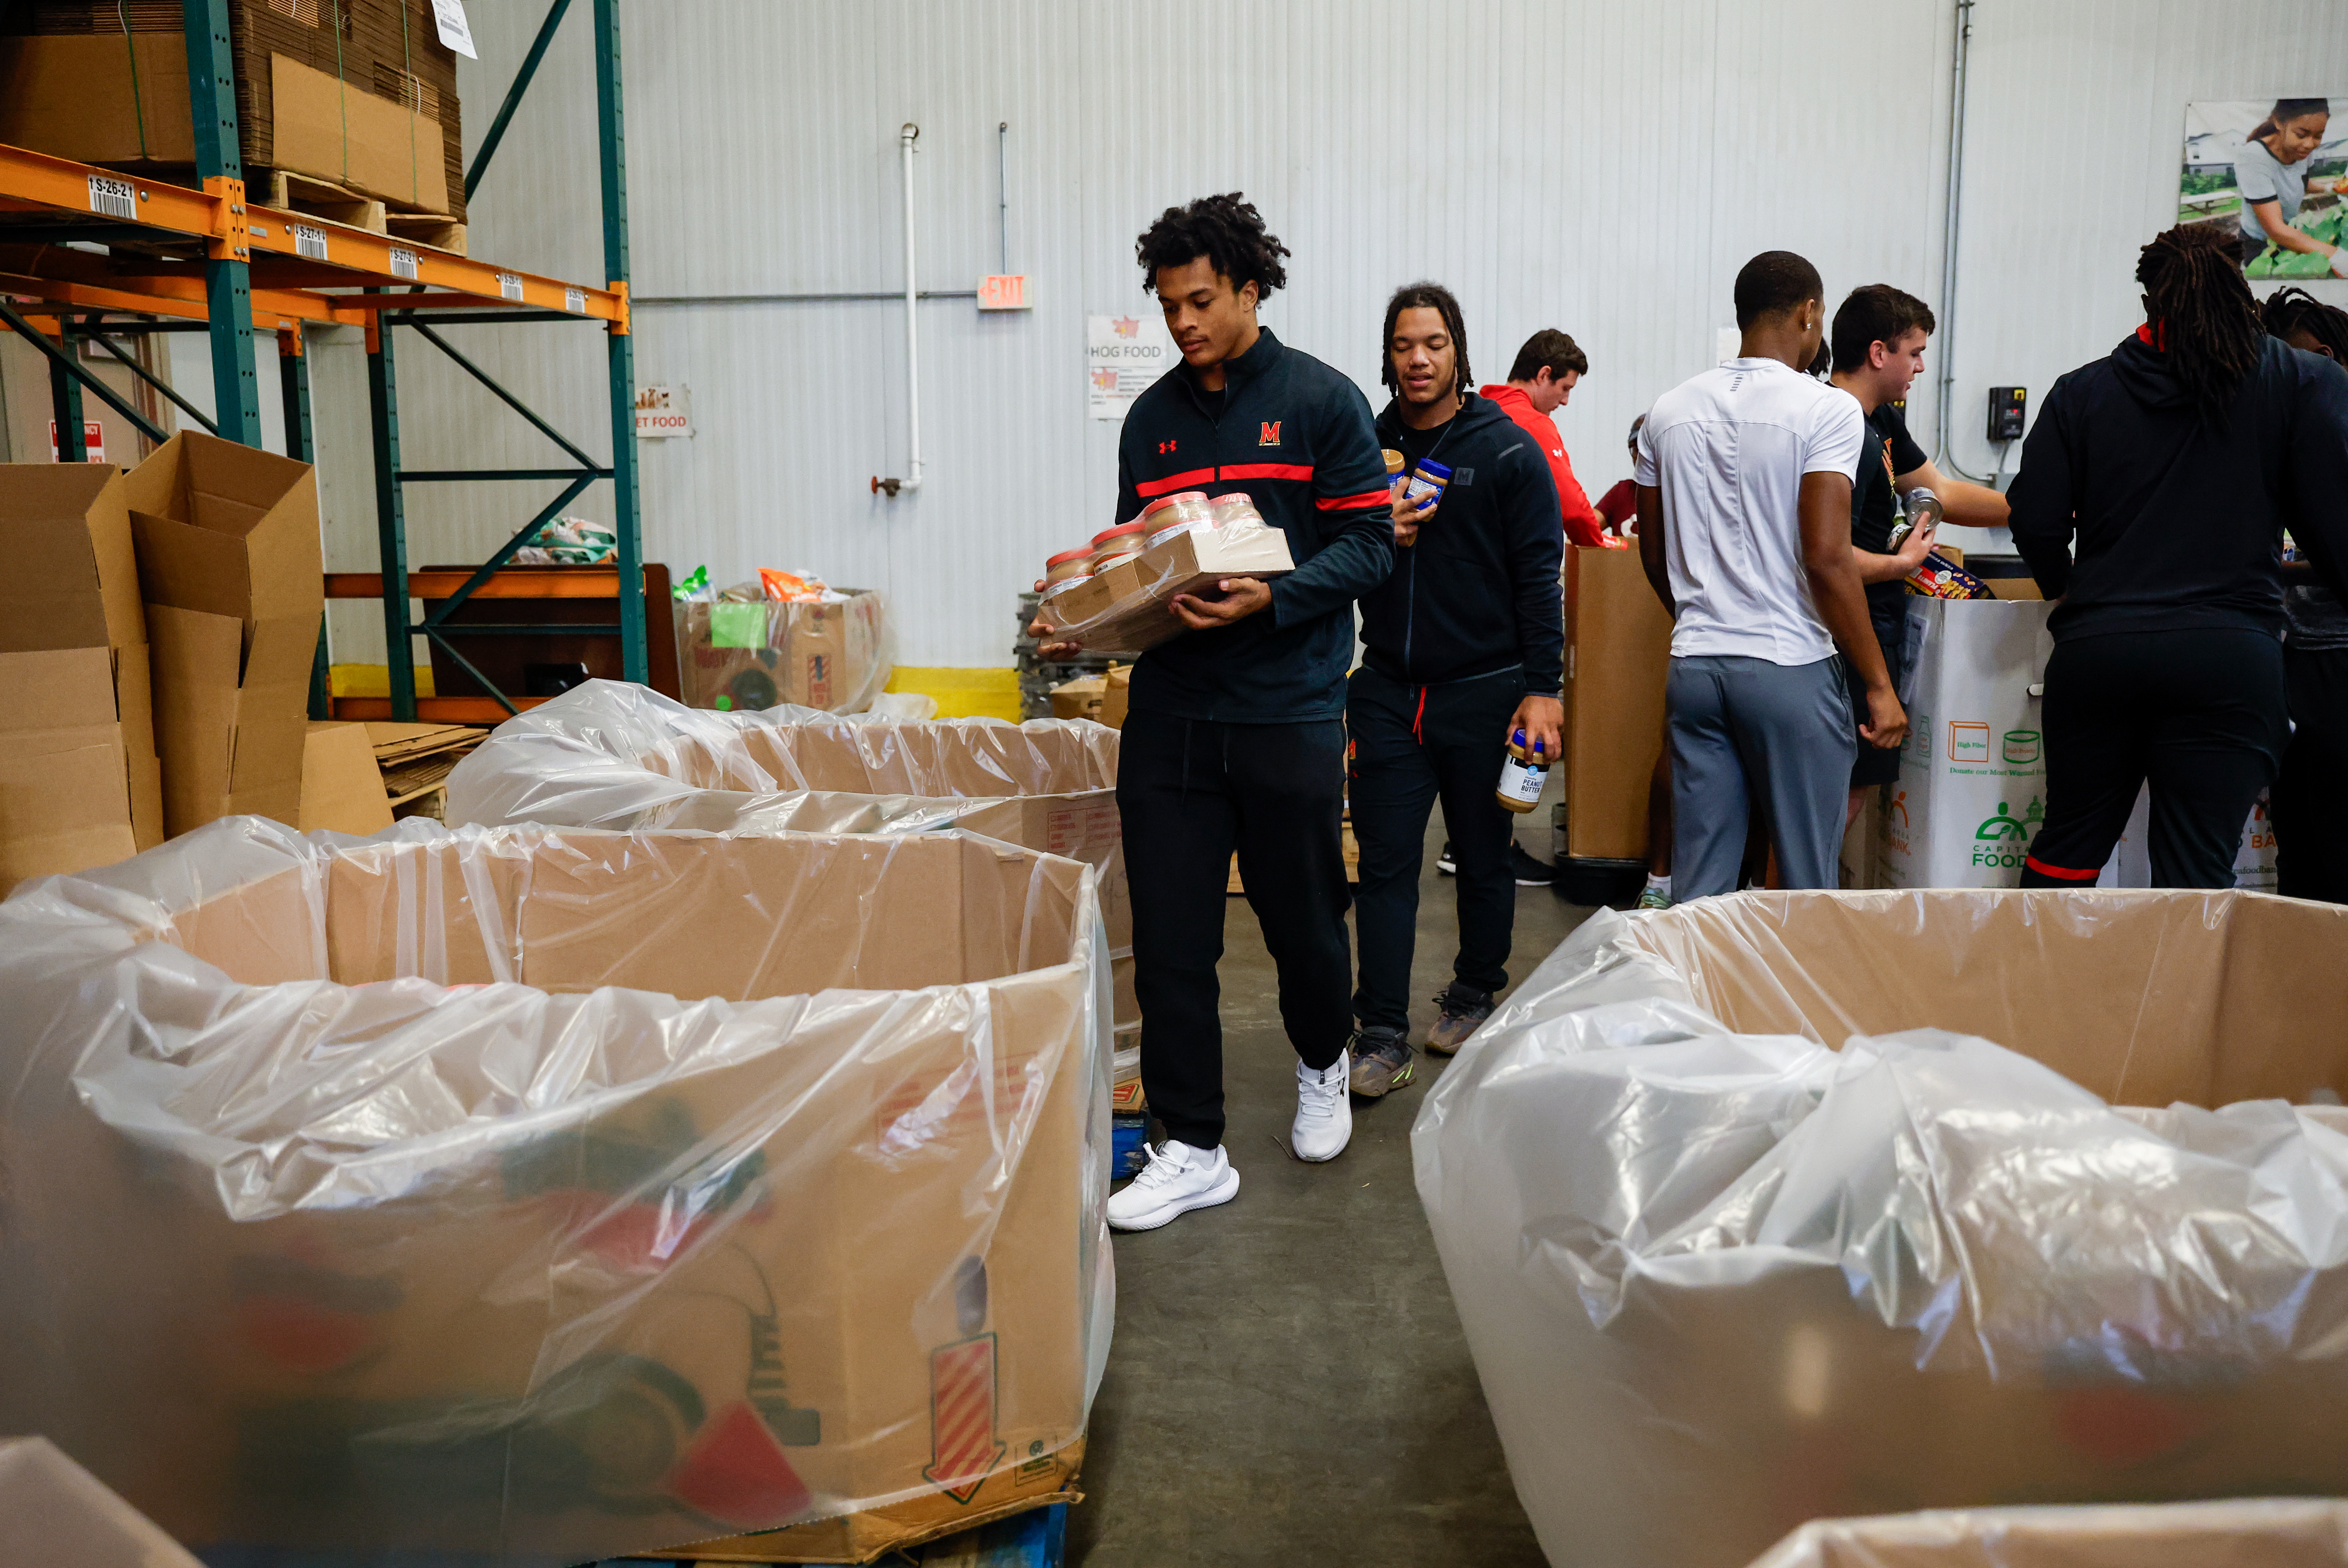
1295	436
2180	522
1480	591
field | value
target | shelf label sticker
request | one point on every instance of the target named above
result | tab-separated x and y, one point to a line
508	285
449	20
574	300
114	198
403	263
310	241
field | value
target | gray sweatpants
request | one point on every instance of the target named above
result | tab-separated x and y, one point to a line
1741	727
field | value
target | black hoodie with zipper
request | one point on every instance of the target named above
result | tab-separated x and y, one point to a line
2180	523
1480	591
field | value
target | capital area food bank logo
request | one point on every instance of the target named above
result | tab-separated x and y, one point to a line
2003	840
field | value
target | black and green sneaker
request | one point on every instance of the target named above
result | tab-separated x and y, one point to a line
1464	1012
1382	1063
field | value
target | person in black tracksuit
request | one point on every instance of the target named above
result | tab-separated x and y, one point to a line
1462	645
1233	739
2310	830
2176	462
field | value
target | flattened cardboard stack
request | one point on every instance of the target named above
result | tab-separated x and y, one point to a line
350	1249
79	782
229	567
359	92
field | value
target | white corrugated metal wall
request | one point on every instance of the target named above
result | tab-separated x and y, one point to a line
1603	168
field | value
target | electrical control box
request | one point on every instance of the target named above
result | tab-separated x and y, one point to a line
2005	409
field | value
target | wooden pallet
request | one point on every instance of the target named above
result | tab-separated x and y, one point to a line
312	197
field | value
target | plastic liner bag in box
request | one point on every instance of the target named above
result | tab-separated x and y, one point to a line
2279	1532
535	1196
1719	1279
53	1513
606	754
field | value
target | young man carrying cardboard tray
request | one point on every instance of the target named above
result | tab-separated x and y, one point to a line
1234	738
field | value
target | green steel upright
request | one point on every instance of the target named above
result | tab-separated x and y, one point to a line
620	344
390	520
65	410
228	279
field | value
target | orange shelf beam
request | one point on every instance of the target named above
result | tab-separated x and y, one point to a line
571	583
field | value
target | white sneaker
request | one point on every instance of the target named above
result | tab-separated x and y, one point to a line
1324	1112
1176	1180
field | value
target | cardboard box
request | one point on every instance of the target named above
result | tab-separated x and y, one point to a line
54	1513
1618	649
749	655
814	1229
1080	699
229	567
2262	1533
79	782
342	787
1719	1278
610	754
370	104
1117	698
1124	607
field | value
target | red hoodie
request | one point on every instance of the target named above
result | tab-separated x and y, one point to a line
1581	524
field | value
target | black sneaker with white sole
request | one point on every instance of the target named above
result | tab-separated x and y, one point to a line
1529	871
1444	864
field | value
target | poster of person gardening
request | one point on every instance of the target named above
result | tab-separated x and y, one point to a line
2269	172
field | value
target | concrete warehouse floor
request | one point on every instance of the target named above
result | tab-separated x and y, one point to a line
1288	1383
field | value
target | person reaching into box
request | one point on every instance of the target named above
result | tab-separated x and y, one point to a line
1233	737
2174	463
1463	646
1879	340
1744	485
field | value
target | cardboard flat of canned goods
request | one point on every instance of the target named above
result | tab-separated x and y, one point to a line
1127	606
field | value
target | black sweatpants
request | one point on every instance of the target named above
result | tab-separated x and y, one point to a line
2200	714
1410	745
1191	792
2311	829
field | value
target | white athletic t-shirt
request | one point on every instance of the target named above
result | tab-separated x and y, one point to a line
1728	449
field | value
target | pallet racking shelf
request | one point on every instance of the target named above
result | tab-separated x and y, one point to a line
183	258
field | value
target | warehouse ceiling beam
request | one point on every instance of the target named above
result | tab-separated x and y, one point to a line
497	131
228	283
61	362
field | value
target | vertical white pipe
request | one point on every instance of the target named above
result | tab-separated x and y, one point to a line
906	140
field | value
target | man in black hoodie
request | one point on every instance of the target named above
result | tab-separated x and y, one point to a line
2176	463
1463	646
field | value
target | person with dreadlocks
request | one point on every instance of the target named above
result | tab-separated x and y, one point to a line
1463	647
2310	831
2174	463
1235	740
2271	172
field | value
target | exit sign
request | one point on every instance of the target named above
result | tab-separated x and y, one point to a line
1003	292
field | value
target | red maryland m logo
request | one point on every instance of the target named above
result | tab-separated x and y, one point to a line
1270	436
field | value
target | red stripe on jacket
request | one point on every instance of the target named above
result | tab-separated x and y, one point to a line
1354	502
1175	481
2065	872
1267	470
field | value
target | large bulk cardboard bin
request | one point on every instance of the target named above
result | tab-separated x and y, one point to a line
231	572
2287	1533
611	755
528	1197
359	93
79	783
1720	1278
